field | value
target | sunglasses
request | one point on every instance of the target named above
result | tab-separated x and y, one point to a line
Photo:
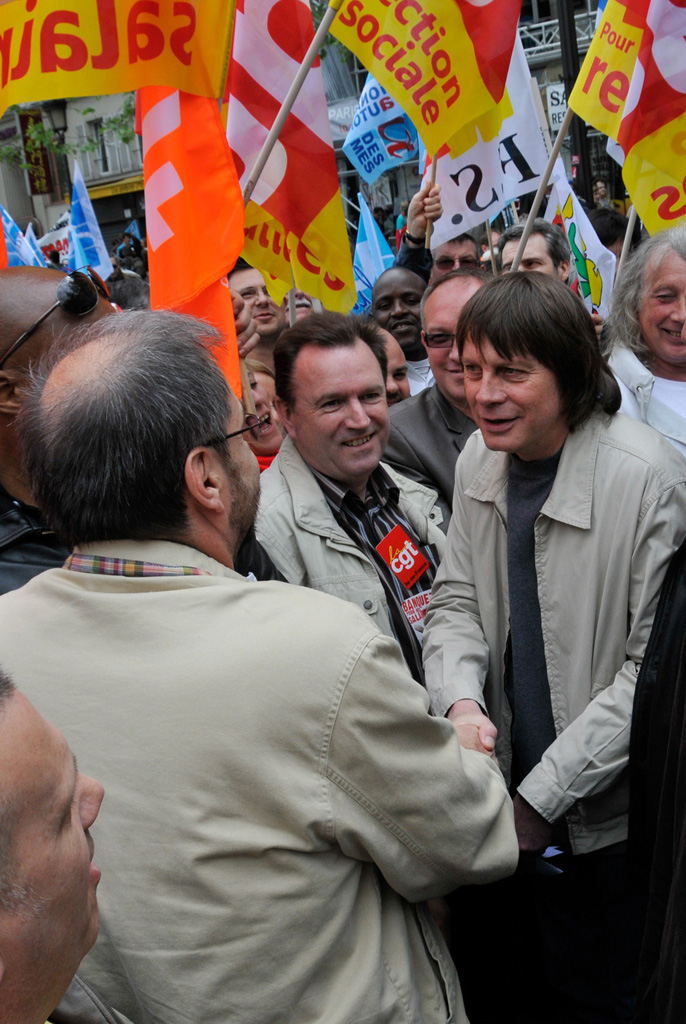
439	340
253	423
77	294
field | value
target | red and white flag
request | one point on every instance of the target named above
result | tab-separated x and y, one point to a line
194	211
298	188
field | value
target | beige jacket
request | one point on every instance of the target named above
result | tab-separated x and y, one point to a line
301	536
615	515
278	799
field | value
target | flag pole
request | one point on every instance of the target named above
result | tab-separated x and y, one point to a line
538	198
491	250
291	96
432	182
626	245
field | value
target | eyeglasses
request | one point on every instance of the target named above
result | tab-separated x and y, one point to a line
446	263
439	340
77	294
253	423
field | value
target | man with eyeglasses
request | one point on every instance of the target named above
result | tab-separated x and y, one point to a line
429	430
36	307
280	801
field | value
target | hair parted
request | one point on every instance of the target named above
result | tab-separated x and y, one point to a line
105	451
556	242
631	288
476	273
326	330
536	315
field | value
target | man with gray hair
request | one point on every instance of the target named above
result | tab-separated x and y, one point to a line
646	335
546	251
279	798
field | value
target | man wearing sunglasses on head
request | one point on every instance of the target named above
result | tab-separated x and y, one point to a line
37	306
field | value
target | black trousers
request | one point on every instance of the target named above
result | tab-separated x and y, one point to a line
555	944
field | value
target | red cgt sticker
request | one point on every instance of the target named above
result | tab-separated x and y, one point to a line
404	558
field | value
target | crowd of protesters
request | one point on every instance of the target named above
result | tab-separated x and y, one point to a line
381	671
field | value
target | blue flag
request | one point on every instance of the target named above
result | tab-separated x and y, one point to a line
89	247
381	135
19	252
32	242
373	255
133	229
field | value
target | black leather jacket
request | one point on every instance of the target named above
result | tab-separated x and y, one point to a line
27	545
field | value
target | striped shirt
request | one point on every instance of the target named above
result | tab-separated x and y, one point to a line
368	523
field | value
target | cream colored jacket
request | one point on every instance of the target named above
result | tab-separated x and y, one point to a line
278	798
614	517
300	534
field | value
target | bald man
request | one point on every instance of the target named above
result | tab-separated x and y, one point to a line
36	307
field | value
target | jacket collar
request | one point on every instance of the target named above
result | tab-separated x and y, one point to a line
162	552
310	509
455	420
571	498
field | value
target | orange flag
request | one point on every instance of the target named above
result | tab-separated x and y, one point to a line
194	211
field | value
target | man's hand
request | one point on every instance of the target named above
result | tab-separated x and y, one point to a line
246	329
474	730
425	206
533	831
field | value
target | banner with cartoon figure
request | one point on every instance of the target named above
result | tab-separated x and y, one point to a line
594	264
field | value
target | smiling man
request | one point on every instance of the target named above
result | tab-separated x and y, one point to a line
431	429
331	517
396	300
565	517
647	334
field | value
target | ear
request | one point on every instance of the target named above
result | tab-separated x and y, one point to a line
563	270
203	478
424	342
285	416
10	393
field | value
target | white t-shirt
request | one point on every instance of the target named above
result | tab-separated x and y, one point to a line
419	375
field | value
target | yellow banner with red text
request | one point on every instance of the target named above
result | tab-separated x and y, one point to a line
51	50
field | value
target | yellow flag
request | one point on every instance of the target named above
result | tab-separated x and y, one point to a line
97	47
283	257
631	87
444	61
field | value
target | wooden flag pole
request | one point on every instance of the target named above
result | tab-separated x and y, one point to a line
540	192
429	223
291	96
626	245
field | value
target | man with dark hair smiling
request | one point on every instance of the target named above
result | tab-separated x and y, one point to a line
565	517
331	516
